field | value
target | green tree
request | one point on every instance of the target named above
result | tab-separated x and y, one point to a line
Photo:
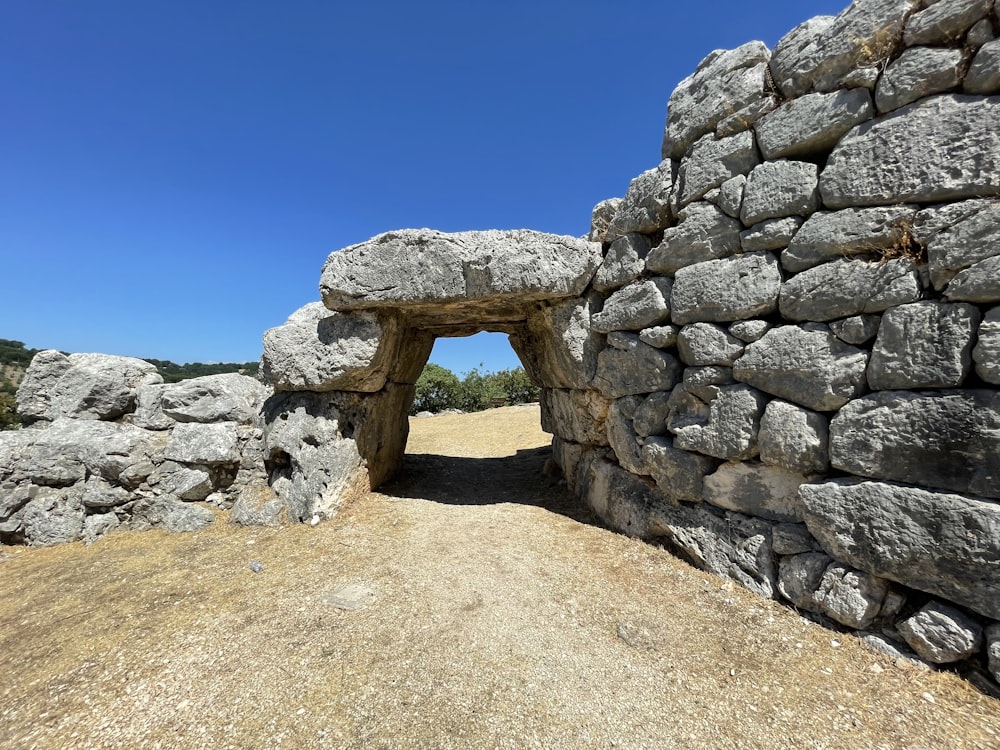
517	385
438	388
9	419
478	390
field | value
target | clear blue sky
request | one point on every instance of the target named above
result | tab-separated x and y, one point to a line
173	175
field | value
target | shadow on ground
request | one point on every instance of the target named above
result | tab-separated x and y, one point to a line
458	480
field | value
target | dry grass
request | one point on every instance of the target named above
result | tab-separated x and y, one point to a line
499	621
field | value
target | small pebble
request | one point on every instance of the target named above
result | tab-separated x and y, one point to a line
928	697
257	566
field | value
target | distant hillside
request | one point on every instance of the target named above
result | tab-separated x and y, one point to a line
15	358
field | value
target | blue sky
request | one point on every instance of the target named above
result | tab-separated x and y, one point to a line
174	174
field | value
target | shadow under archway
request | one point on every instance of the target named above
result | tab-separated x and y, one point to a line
459	480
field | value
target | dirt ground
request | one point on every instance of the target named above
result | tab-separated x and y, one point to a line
490	613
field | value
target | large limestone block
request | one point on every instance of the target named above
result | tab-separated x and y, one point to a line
622	437
708	344
857	329
977	283
770	234
918	72
984	73
718	421
812	123
623	262
776	189
737	288
53	517
806	365
576	416
600	218
944	21
640	369
987	351
844	287
557	346
650	417
949	439
828	235
958	236
723	83
941	634
794	438
851	597
756	490
203	444
678	473
705	232
227	397
319	350
712	161
799	577
646	205
82	386
941	543
950	143
170	514
417	267
923	345
638	305
818	55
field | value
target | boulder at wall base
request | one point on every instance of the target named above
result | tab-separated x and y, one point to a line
82	386
941	634
226	397
170	514
945	439
414	267
941	543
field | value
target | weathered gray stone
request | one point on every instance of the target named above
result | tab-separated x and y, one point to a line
731	195
923	345
984	73
977	283
958	236
987	351
851	597
82	386
794	438
723	83
941	634
750	330
857	329
642	370
707	344
623	340
805	365
792	539
98	493
712	161
770	234
941	543
980	33
577	416
776	189
708	375
646	205
600	218
558	346
813	123
745	286
950	142
852	231
257	505
918	72
183	482
800	575
745	118
227	397
624	501
847	287
945	21
622	263
704	233
949	439
819	54
719	421
414	268
207	444
320	350
170	514
622	437
756	490
53	516
638	305
662	337
993	649
97	525
650	416
678	473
